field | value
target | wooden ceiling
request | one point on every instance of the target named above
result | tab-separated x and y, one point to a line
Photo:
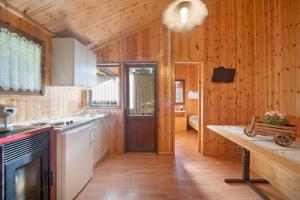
94	22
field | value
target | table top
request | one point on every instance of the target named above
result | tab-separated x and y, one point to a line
286	157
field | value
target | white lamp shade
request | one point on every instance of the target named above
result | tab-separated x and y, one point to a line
184	15
193	95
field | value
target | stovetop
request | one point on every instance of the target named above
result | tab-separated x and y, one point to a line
56	123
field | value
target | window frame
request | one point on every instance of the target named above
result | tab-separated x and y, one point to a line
95	105
21	33
183	88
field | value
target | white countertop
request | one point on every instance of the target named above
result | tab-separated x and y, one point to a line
78	120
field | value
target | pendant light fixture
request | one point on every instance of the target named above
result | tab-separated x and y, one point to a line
184	15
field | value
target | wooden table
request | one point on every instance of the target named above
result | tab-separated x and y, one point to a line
289	158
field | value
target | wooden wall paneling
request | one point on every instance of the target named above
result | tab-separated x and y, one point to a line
189	73
193	82
188	46
276	59
275	78
297	57
166	94
148	44
255	37
57	102
228	42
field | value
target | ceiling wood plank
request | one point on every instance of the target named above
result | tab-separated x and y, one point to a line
97	21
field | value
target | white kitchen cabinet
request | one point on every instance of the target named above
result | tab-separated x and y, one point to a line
74	160
101	140
91	71
73	63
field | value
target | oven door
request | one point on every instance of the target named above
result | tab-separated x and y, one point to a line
26	169
28	177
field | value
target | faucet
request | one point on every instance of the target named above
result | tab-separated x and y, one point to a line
79	111
6	112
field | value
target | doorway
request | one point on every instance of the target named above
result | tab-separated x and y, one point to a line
140	112
188	103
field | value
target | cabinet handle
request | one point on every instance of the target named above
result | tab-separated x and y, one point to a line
92	135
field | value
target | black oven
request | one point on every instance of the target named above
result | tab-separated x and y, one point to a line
26	168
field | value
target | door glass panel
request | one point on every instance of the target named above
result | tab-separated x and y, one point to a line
141	91
28	181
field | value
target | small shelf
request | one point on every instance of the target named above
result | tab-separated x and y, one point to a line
180	121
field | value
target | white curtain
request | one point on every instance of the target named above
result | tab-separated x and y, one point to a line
20	63
142	94
107	91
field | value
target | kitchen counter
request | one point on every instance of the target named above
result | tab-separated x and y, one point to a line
23	133
30	128
81	120
60	124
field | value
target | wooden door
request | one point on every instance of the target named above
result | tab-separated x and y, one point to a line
140	112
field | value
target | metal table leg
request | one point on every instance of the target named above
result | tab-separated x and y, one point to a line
246	176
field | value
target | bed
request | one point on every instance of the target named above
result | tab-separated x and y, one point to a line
193	121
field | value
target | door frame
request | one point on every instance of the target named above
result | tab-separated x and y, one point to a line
200	103
126	66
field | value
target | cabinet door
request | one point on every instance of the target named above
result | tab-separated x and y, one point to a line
91	68
62	62
80	65
101	140
97	141
77	167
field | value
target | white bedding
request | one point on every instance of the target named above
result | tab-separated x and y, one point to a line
194	121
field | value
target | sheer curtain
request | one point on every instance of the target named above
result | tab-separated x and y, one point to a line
20	63
106	92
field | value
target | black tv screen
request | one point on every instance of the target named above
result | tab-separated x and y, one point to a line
223	75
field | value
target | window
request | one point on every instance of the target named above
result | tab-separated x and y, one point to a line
179	85
107	91
20	62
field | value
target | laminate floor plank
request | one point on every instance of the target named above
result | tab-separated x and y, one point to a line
185	176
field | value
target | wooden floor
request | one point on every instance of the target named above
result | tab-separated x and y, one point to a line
188	175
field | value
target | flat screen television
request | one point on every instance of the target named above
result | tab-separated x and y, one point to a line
223	75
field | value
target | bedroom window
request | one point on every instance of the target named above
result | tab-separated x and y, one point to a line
179	91
21	60
106	93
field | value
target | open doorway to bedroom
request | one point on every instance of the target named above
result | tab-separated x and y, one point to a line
188	106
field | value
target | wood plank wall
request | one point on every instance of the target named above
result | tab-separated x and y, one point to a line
277	58
188	73
237	34
276	77
58	101
149	44
259	39
227	40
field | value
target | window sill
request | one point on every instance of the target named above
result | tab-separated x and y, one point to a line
104	107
